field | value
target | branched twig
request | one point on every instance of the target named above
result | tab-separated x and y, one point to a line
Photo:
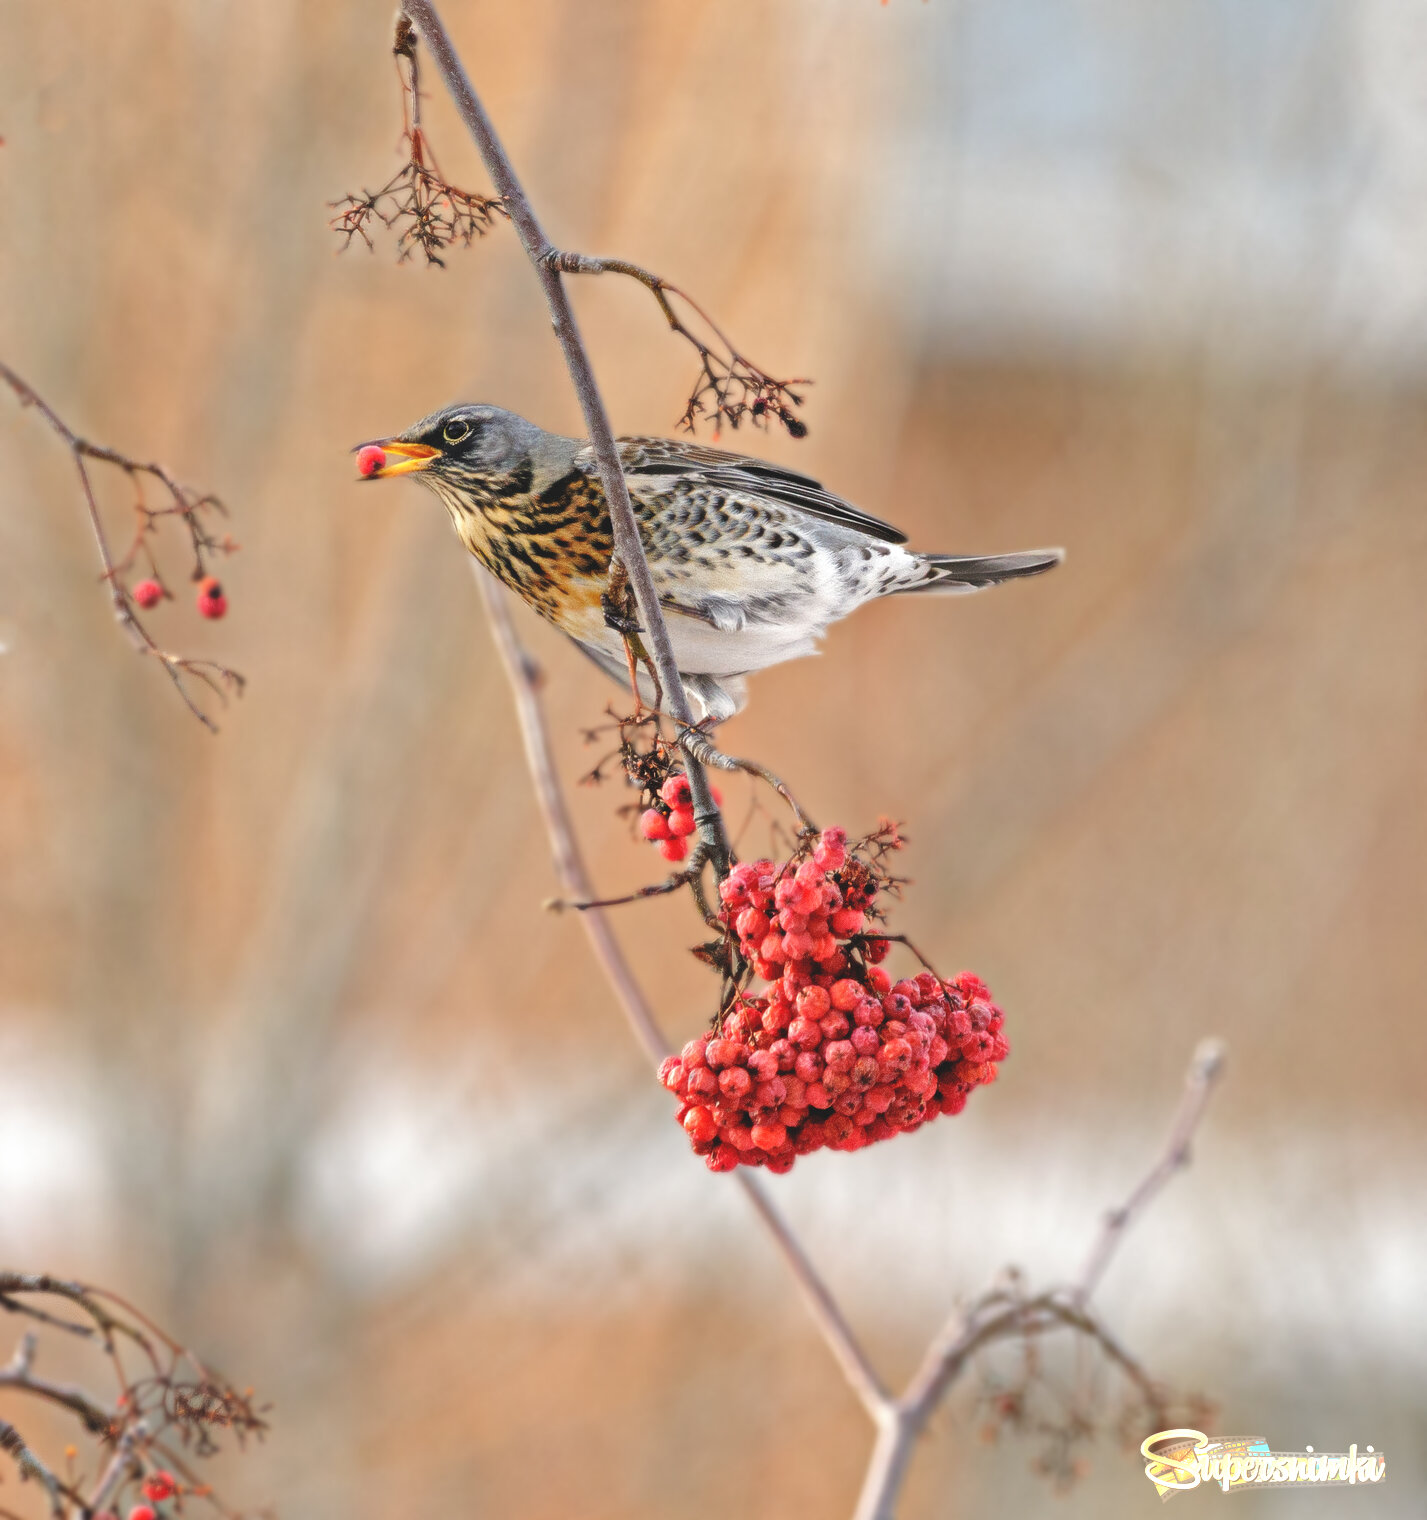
190	508
1204	1071
418	202
171	1409
730	386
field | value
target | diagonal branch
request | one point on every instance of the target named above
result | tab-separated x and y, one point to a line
1205	1069
629	551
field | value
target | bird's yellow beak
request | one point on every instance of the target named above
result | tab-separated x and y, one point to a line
410	457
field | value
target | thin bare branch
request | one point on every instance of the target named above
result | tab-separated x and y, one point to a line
730	386
1205	1069
187	506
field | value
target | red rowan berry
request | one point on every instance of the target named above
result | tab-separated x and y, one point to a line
699	1123
805	1034
148	594
834	1026
160	1485
786	1054
809	1066
769	1137
846	994
701	1083
143	1512
674	850
752	925
839	1055
675	791
868	1013
211	601
846	921
671	1073
865	1040
653	824
370	458
681	822
879	981
735	1083
813	1002
763	1064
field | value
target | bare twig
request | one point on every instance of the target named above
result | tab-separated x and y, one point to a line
162	1414
188	506
426	210
1204	1071
730	386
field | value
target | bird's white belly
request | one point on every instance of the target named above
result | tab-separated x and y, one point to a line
704	650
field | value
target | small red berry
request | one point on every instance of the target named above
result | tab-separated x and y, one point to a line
675	791
653	824
148	594
673	849
700	1126
211	601
370	459
681	822
160	1485
143	1512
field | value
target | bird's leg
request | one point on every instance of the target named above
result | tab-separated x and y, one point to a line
621	614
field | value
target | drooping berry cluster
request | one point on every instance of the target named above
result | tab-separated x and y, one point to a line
833	1054
668	821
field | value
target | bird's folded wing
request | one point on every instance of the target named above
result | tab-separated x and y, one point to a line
739	474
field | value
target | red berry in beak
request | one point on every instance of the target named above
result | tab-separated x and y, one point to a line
370	458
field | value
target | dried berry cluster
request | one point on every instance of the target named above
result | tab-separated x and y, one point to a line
833	1053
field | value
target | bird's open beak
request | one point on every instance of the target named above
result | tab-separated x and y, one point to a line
409	457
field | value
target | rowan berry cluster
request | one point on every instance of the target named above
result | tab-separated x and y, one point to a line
834	1054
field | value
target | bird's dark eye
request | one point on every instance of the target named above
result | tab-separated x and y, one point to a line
454	432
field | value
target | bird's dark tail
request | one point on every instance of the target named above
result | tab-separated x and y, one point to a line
952	572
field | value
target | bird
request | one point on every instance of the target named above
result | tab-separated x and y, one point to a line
752	561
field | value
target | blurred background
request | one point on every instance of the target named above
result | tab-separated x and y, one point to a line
289	1052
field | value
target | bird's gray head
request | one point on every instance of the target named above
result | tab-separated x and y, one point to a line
470	445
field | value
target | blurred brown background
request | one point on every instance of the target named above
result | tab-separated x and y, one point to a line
288	1051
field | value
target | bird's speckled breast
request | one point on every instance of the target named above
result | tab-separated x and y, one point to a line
552	549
